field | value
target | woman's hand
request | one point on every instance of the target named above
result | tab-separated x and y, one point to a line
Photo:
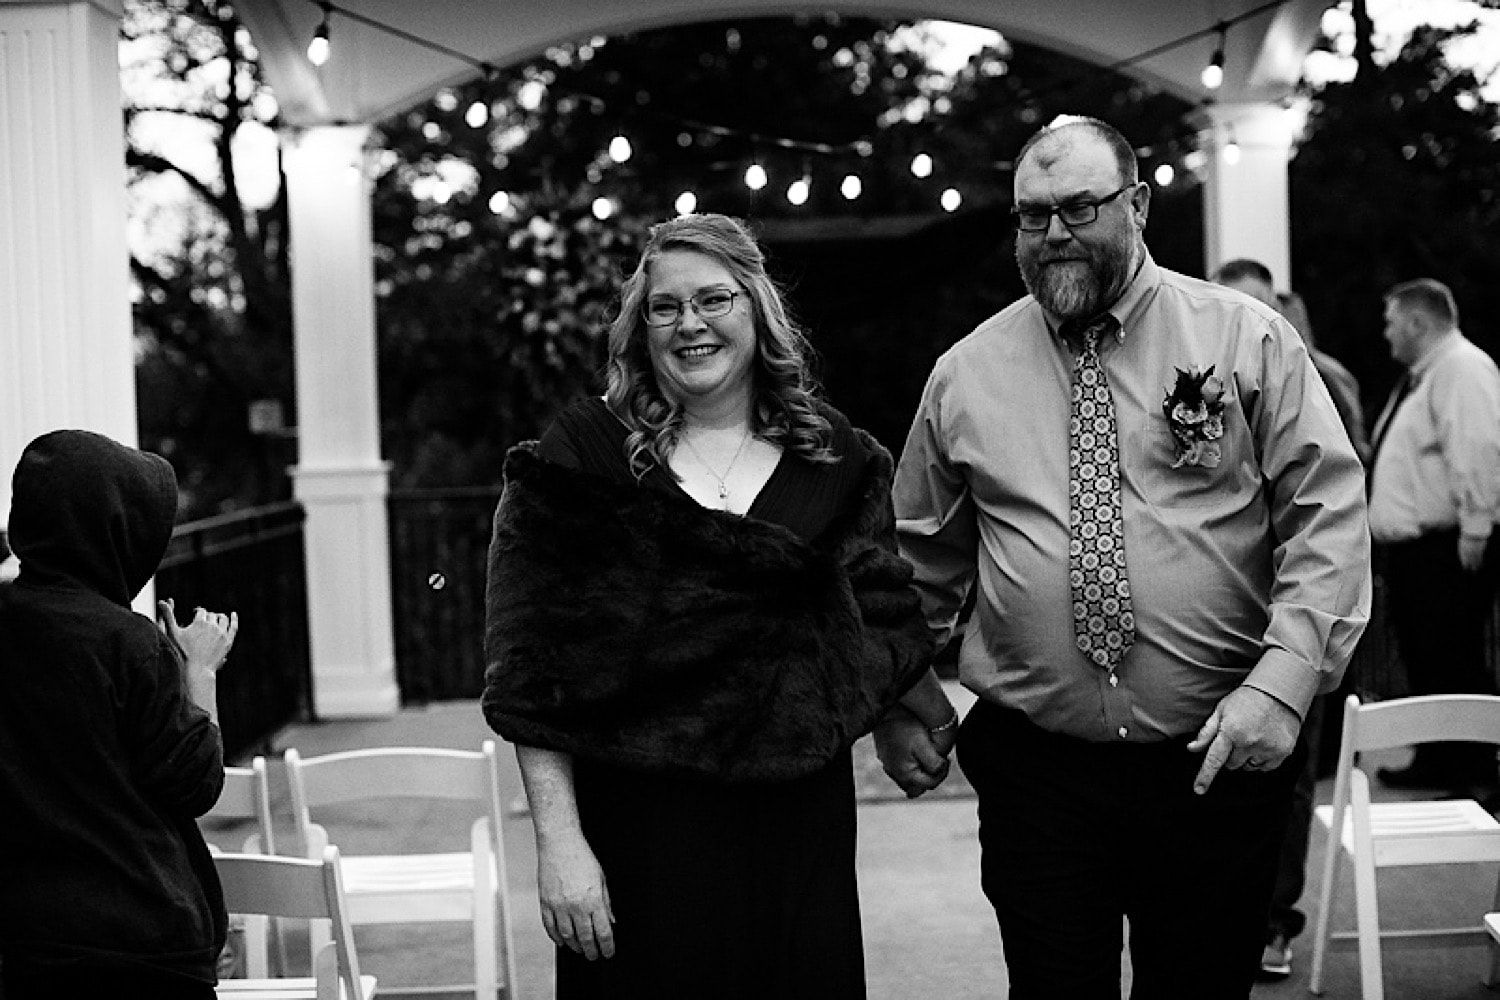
575	900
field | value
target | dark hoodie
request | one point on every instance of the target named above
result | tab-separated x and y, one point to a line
104	760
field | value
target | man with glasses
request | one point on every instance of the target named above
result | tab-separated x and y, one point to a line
1147	483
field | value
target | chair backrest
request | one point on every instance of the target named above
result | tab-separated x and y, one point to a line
1421	719
395	773
247	795
301	888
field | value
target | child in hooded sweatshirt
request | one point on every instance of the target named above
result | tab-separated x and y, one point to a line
109	740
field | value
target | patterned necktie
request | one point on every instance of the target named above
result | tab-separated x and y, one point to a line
1103	621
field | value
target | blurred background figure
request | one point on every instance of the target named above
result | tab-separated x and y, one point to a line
1434	499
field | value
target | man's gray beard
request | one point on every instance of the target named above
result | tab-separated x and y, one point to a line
1067	294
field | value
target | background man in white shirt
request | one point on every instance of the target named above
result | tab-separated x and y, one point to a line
1434	500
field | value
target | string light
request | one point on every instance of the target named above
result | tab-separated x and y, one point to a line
530	94
798	191
320	48
1231	148
1213	73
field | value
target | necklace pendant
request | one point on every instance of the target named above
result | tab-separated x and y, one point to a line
723	492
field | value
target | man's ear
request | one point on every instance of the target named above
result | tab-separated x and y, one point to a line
1140	200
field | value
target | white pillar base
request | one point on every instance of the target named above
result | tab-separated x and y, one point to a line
349	591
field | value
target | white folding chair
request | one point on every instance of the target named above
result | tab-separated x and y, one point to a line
1396	834
468	886
308	890
247	796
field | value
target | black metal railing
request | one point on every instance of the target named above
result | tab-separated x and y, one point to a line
439	540
250	562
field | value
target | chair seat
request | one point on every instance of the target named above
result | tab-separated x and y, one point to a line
1457	831
380	887
300	988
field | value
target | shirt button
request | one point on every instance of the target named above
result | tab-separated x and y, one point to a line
1114	681
1124	732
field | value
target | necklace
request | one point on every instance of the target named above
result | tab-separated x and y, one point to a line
723	488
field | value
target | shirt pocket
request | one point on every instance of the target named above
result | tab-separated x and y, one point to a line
1150	452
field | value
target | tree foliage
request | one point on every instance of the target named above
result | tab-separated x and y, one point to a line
213	310
1397	178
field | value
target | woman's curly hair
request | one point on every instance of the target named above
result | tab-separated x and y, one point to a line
784	411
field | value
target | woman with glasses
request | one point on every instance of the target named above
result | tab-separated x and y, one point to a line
695	607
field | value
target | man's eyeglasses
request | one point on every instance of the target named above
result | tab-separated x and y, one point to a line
1037	218
711	303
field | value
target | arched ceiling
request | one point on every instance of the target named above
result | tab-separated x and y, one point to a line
374	73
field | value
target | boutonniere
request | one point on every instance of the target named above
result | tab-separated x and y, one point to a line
1195	413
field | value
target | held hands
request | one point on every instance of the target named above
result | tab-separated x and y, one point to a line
914	757
575	900
1471	550
1248	729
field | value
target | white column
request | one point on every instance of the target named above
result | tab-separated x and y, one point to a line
1246	212
66	347
340	479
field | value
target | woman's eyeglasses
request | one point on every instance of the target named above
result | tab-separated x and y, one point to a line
711	303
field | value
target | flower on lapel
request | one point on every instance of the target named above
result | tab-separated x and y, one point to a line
1194	408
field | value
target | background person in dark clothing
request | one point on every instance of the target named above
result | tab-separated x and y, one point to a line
109	745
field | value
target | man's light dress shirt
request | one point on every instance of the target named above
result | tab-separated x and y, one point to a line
1256	571
1439	462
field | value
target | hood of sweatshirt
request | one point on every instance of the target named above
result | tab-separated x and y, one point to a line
89	512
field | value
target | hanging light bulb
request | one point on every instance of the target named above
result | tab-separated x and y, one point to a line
921	165
755	177
477	115
1231	149
320	48
1213	73
686	203
529	94
950	200
1165	174
798	191
851	187
619	149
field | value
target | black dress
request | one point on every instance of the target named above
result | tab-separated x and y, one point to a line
723	891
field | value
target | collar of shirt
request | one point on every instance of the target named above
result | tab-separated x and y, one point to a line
1436	350
1137	293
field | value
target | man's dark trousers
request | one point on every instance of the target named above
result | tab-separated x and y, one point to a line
1076	835
1438	611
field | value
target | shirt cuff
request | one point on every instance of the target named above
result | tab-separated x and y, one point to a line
1286	678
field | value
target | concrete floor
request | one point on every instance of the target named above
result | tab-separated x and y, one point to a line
928	930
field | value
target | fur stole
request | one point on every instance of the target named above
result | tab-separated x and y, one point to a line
637	628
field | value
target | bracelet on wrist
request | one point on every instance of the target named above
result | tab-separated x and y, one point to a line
945	726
